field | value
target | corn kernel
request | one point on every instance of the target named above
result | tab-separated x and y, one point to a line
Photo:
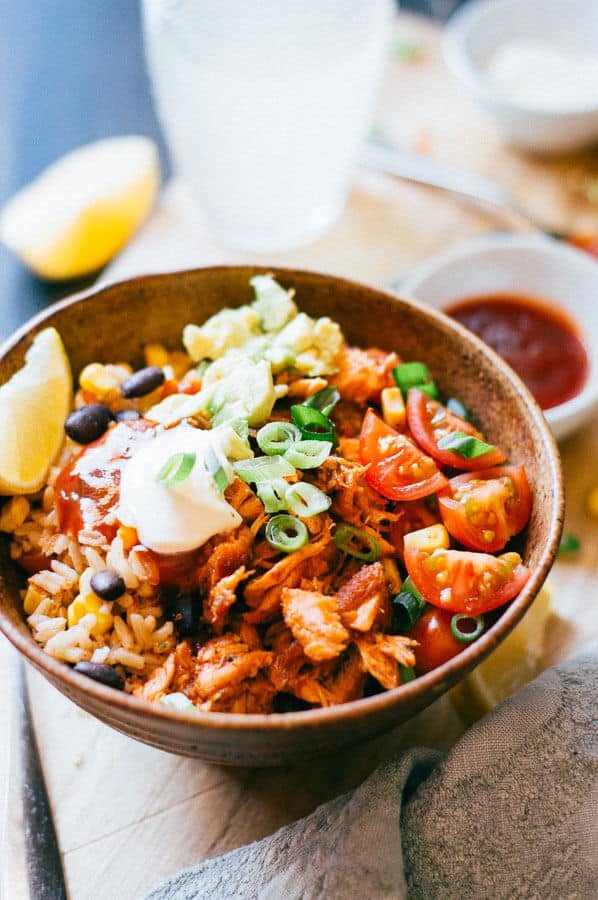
128	536
14	513
155	355
32	600
85	604
393	407
435	537
592	503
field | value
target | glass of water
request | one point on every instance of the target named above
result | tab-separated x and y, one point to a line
263	104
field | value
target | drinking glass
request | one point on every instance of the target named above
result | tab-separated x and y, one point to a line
263	104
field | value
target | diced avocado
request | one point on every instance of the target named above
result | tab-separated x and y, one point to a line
227	328
274	305
316	344
176	407
236	387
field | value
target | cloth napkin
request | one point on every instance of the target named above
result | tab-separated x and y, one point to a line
510	812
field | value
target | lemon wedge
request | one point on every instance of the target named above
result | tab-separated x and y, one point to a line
82	209
33	407
519	659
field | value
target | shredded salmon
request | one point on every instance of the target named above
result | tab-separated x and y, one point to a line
363	600
382	654
222	596
362	374
315	622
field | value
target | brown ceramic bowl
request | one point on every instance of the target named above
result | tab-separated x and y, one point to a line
115	322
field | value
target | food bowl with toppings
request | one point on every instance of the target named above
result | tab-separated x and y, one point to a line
533	66
289	531
533	299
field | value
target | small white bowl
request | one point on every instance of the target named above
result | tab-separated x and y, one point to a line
530	265
476	31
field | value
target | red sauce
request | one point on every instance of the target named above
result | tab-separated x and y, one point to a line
87	489
587	242
540	342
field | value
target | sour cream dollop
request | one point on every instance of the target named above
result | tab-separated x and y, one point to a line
179	517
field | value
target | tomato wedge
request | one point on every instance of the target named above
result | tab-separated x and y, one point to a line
397	467
483	509
411	517
430	421
462	581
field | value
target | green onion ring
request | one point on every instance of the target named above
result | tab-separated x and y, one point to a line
215	468
273	494
306	500
466	637
277	437
262	469
313	424
346	537
414	375
286	533
308	454
324	400
407	606
176	468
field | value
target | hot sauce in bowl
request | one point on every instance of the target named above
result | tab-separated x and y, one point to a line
539	341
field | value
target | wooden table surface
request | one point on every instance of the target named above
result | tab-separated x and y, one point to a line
128	815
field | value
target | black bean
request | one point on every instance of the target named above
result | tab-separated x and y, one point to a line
107	585
127	415
99	672
88	423
142	382
184	612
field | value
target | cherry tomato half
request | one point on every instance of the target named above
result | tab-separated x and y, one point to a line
436	641
462	581
482	510
430	421
397	467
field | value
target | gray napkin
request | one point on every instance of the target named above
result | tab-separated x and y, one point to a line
510	812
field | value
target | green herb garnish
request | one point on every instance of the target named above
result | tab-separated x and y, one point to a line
176	469
464	445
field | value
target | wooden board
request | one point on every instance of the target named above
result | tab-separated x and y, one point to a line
128	815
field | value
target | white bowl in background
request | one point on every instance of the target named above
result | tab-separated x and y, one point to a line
479	28
529	265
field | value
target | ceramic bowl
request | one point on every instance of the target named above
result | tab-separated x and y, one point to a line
532	265
475	32
115	322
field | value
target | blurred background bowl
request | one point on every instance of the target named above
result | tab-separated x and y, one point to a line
524	265
116	322
478	29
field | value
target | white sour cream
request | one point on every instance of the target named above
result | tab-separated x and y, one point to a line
543	75
183	516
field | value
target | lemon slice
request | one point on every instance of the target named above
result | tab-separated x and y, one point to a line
83	208
519	659
33	407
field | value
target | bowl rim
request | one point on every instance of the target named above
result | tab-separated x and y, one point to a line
460	63
304	719
587	399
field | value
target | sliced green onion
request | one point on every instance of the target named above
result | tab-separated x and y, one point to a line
308	454
357	542
464	445
176	468
324	400
277	437
214	466
456	407
313	424
262	469
306	499
407	606
466	637
286	533
406	674
273	494
569	544
414	375
240	427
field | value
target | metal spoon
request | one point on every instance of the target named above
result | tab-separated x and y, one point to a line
384	157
